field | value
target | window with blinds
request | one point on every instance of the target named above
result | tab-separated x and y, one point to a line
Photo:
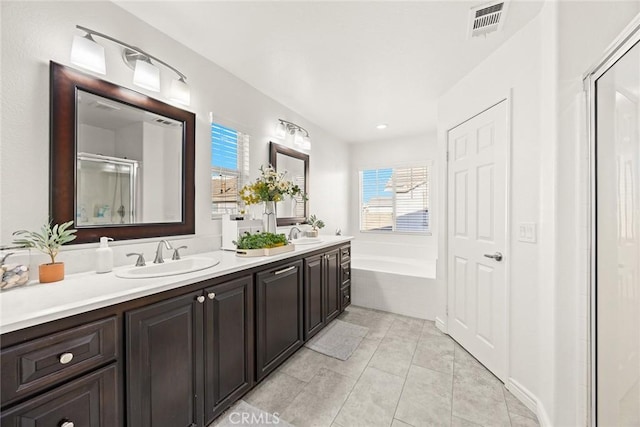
229	168
395	200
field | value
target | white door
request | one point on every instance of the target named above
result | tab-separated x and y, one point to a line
477	236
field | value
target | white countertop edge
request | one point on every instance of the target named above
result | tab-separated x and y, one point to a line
36	304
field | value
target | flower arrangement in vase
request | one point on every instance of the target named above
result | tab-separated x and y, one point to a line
270	187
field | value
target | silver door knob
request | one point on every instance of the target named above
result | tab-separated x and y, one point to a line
211	295
66	358
497	256
200	299
66	424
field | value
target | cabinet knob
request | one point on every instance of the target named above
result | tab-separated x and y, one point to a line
211	295
66	423
64	359
200	299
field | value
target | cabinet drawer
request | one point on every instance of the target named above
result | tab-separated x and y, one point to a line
46	361
346	296
90	401
345	271
345	253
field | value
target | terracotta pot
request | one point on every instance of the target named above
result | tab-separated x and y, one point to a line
51	272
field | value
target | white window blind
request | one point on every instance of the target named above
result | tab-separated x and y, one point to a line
229	168
395	199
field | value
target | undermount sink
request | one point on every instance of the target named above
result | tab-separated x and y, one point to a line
168	268
306	240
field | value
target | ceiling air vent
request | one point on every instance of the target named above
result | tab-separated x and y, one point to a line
486	18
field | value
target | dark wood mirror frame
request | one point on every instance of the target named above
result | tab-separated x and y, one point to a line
274	149
64	85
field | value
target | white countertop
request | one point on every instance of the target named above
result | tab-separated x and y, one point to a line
37	303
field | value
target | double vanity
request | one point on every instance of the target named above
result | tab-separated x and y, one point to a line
174	351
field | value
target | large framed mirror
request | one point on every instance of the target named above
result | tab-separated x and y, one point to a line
121	163
295	166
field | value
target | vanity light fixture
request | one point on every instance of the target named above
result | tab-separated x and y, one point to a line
88	54
301	136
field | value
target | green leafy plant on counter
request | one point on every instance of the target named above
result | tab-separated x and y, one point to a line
315	223
260	241
49	240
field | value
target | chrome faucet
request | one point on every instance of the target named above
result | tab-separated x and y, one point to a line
297	233
159	259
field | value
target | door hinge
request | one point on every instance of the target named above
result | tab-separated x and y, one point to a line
447	156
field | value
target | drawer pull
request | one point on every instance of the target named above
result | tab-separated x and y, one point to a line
284	270
64	359
200	299
211	295
66	423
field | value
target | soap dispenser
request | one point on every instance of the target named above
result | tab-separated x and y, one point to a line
104	256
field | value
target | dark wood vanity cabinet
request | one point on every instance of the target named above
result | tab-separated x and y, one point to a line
322	293
173	359
164	363
345	277
332	284
190	355
314	300
228	344
90	401
66	377
279	316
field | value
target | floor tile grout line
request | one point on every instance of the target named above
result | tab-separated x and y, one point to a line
507	406
358	379
415	349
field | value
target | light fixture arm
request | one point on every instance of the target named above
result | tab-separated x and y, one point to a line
133	48
292	127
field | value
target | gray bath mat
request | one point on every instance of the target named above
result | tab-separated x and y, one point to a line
245	415
339	339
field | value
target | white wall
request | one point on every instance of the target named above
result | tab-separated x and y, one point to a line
410	151
541	68
33	33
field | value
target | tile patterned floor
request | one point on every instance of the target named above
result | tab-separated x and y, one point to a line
404	373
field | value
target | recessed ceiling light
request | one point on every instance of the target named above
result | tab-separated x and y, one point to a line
382	126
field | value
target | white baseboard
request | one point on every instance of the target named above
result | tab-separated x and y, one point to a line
529	400
441	324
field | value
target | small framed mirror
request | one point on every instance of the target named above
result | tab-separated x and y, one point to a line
295	166
122	164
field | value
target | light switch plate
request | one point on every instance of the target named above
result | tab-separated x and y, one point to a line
527	232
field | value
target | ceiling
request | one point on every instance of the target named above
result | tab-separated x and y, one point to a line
345	66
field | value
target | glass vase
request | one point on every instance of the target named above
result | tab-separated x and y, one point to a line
269	217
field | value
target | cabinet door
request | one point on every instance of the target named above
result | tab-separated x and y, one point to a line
314	313
90	401
164	363
228	344
279	316
332	283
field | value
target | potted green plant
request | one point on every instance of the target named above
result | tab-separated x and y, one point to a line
48	241
261	244
316	224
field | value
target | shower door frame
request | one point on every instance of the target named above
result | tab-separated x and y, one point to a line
629	37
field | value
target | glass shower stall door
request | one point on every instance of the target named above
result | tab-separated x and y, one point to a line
617	239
